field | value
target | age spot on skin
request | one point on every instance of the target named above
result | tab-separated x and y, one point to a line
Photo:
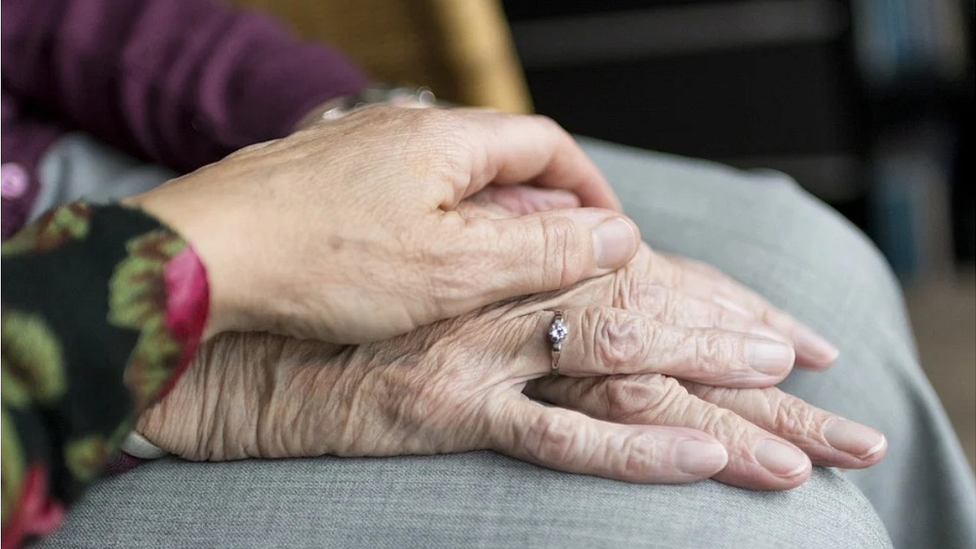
336	243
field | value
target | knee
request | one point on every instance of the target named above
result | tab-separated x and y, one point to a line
814	233
827	511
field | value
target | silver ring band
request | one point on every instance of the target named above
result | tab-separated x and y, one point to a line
558	332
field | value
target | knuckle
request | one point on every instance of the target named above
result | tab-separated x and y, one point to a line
555	438
713	353
642	397
786	420
560	266
789	418
723	424
617	341
641	457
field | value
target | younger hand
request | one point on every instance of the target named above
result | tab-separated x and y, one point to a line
347	231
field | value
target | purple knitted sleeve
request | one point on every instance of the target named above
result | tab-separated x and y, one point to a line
178	82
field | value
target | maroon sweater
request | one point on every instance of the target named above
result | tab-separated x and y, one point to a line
178	82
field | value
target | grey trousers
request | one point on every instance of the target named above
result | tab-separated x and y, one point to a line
760	228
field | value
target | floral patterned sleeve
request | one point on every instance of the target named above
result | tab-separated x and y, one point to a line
103	308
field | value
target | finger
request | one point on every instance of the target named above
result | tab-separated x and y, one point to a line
608	341
513	149
530	254
670	306
569	441
523	199
828	439
706	282
757	459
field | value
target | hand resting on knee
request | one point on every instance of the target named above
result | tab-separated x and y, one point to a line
666	377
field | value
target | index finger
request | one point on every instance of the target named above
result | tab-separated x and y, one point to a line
532	149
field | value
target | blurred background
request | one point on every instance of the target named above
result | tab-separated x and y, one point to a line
867	103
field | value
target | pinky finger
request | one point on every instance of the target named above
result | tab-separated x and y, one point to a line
569	441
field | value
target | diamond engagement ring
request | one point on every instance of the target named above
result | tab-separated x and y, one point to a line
557	334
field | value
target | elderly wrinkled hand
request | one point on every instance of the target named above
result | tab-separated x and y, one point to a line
771	436
351	240
673	394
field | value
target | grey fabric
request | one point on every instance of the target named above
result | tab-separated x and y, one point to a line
78	167
478	499
760	228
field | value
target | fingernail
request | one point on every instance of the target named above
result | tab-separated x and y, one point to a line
811	343
614	242
853	438
700	457
780	459
769	357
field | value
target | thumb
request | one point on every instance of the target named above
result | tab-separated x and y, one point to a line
555	249
490	260
539	252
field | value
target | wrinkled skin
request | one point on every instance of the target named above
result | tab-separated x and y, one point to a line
657	359
353	240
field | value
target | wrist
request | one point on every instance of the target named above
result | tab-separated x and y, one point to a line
191	226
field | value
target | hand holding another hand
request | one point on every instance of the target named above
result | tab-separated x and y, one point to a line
347	231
